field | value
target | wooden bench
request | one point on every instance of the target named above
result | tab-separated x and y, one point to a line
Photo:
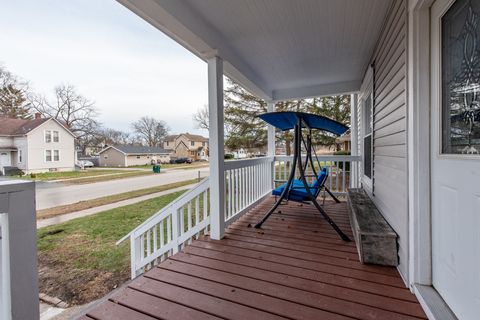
376	240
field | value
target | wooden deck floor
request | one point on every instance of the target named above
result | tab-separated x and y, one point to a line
295	268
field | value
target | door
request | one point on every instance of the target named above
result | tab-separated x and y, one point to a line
5	159
455	154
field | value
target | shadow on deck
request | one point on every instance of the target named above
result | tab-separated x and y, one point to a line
296	267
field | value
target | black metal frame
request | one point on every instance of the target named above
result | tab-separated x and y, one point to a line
297	161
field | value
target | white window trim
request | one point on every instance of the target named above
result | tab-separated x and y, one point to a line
365	92
53	136
45	136
45	156
53	155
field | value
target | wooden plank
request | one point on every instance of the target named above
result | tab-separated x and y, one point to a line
312	275
334	291
109	310
157	307
287	293
199	301
311	265
237	295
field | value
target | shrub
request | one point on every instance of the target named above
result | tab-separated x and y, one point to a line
33	175
228	156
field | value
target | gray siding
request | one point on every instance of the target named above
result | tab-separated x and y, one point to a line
389	127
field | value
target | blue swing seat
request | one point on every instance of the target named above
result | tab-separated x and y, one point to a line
297	190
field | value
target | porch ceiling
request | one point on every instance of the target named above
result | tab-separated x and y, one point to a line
278	49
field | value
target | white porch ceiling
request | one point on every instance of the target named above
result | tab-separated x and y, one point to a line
278	49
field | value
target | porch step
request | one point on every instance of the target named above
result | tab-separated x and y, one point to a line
376	241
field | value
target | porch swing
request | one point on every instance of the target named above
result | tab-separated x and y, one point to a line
299	190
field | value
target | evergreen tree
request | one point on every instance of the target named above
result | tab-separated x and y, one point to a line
13	96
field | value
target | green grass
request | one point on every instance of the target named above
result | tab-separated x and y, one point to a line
175	165
46	176
97	234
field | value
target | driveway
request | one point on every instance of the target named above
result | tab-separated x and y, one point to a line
50	194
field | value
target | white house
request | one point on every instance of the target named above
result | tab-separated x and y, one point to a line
37	145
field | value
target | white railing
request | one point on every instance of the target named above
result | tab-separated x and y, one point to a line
340	171
186	218
246	183
167	231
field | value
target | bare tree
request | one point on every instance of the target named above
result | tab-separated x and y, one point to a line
151	131
69	107
13	96
201	118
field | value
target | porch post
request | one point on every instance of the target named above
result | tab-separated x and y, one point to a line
217	173
354	170
271	143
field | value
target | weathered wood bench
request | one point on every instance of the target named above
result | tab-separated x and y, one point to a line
376	240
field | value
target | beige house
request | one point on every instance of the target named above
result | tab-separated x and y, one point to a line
125	156
38	145
186	145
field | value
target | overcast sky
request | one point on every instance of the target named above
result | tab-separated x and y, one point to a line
129	68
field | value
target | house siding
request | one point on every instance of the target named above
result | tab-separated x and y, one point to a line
389	183
112	158
35	156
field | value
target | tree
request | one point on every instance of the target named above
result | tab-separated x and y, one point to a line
72	109
13	96
151	131
201	118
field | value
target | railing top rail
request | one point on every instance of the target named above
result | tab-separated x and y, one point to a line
324	158
158	216
236	164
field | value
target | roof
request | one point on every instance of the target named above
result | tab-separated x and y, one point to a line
16	127
129	149
287	121
191	137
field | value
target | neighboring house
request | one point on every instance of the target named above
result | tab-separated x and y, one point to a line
344	142
186	145
125	156
38	145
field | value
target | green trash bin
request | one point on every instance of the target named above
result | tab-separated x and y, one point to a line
156	169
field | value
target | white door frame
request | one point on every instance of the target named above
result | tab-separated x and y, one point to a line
419	154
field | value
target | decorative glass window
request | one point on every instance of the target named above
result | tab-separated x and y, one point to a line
48	136
461	78
367	136
56	155
55	136
48	155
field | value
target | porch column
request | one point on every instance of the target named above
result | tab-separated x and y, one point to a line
217	172
354	169
271	141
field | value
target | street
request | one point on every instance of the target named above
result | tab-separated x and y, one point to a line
52	194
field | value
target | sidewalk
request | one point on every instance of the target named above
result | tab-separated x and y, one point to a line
87	212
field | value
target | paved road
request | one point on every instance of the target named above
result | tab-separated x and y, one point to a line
56	194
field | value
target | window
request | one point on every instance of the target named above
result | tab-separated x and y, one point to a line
48	155
55	136
48	136
192	143
203	144
20	155
460	106
367	136
167	143
56	155
138	157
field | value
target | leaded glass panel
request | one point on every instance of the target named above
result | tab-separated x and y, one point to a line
461	78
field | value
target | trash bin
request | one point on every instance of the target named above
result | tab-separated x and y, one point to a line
156	169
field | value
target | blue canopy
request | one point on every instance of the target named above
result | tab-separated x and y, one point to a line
287	121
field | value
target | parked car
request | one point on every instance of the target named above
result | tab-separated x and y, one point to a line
182	160
85	164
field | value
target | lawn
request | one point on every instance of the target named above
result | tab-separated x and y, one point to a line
84	176
176	165
78	260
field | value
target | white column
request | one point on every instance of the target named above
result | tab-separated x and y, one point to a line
354	169
217	172
271	142
271	131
